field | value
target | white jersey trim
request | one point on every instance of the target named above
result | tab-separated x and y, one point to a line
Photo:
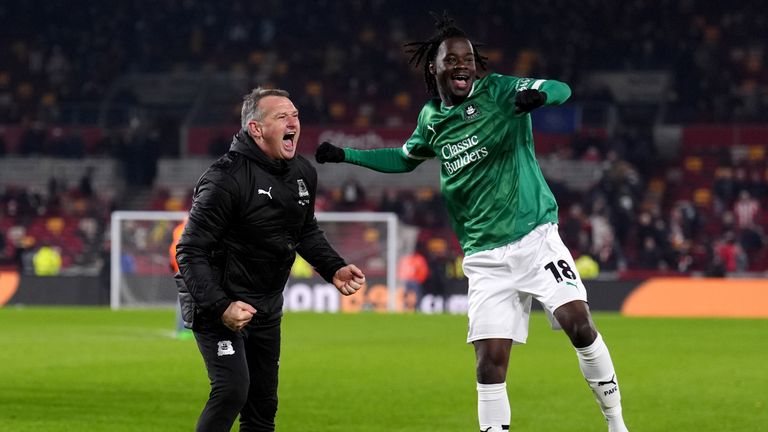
413	156
537	84
446	108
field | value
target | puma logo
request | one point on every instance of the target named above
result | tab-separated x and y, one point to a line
612	381
432	128
266	192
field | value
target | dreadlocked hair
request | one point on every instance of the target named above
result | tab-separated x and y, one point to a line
423	52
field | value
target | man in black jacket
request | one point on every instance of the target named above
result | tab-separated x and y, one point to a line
253	210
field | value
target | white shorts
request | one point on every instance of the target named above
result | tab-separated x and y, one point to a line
502	282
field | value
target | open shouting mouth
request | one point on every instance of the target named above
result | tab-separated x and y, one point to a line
460	80
289	140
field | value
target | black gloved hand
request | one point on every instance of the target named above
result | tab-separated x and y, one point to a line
328	152
529	99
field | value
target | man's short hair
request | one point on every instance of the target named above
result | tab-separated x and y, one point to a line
251	109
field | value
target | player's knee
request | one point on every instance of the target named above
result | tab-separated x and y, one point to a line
489	372
230	394
581	332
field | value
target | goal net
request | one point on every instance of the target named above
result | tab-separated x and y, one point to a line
141	275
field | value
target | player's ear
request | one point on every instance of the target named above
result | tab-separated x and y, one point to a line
432	69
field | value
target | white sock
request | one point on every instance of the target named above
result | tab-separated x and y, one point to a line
493	407
597	367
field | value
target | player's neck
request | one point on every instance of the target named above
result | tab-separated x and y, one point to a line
451	101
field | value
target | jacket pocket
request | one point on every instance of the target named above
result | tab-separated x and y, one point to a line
186	302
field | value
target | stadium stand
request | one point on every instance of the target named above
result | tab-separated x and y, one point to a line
659	161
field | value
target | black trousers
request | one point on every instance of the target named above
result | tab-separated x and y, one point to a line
242	368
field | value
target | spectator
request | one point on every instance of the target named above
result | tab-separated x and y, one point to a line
723	189
730	253
751	239
85	186
740	180
352	195
608	256
758	187
587	267
575	229
746	210
438	263
651	256
47	261
391	201
413	271
602	232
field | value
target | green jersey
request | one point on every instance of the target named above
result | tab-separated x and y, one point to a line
492	184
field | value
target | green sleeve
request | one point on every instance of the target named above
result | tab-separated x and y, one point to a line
557	91
386	160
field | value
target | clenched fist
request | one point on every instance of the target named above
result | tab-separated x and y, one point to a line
529	99
348	279
328	152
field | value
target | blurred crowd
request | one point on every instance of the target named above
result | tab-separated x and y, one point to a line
63	225
59	60
705	212
675	218
672	218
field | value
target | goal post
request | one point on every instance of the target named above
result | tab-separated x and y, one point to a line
143	252
391	249
140	274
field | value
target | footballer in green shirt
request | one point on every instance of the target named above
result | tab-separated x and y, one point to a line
502	211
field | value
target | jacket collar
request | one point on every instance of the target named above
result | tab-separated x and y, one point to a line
243	143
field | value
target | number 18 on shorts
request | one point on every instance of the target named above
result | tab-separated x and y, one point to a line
503	281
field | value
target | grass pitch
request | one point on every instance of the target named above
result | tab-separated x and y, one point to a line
91	369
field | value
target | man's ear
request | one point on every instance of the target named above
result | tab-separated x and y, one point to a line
432	68
254	129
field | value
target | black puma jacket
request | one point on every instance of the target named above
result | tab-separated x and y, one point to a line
250	215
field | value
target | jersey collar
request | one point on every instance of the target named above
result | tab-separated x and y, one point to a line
444	108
